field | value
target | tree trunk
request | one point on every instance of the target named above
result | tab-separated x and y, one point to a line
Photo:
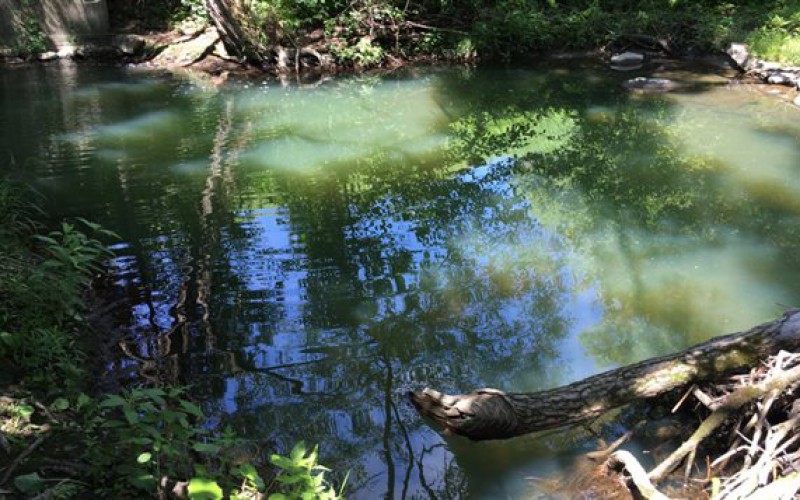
224	15
493	414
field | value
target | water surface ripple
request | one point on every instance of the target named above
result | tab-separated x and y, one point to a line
304	257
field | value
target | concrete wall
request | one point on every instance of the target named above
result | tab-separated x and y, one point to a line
64	22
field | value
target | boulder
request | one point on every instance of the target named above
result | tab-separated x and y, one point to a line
777	79
187	51
650	85
740	54
627	58
617	67
797	101
67	51
47	56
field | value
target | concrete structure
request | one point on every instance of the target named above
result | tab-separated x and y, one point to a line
62	23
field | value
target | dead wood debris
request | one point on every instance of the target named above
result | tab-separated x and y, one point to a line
757	416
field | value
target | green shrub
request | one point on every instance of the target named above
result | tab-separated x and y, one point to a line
301	476
157	433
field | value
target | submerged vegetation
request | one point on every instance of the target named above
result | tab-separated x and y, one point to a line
59	436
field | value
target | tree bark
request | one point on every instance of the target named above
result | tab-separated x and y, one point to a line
223	14
492	414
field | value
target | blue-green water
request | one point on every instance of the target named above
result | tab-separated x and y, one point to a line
305	256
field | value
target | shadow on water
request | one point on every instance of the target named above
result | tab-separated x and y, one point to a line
304	258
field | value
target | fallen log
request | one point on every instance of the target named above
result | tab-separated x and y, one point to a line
492	414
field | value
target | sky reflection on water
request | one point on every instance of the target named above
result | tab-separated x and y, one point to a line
304	257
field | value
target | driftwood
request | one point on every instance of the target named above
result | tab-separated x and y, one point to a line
493	414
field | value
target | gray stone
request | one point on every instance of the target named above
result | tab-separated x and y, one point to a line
650	85
67	51
778	79
740	53
129	45
627	59
47	56
797	101
767	66
617	67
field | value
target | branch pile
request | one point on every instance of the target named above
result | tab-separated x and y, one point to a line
756	417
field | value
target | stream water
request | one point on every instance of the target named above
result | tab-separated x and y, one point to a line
304	256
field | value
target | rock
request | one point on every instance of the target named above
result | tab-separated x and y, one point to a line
189	51
616	67
47	56
67	51
777	79
650	85
766	66
740	53
129	45
627	59
797	101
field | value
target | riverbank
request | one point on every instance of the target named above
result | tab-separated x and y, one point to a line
198	47
285	37
64	431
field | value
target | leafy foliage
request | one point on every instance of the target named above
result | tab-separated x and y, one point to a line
31	38
40	293
301	476
131	439
159	433
364	32
154	433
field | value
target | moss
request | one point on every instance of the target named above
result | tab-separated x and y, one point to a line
733	359
674	376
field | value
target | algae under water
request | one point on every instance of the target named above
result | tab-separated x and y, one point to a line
305	256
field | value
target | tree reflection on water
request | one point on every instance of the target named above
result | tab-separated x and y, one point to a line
305	258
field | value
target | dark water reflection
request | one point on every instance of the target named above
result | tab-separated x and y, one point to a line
304	257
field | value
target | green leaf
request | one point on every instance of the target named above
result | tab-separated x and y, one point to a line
112	401
298	452
24	411
62	255
29	483
46	239
112	424
141	441
206	448
278	496
203	488
156	395
8	339
191	408
200	470
251	474
83	400
282	462
143	481
60	404
248	471
144	457
130	415
289	478
92	225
